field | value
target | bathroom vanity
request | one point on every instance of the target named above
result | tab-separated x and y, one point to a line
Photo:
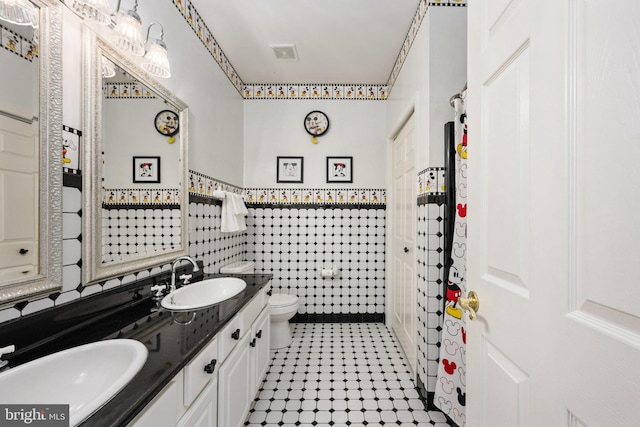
202	372
217	386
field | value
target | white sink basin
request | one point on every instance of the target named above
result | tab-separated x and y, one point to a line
203	294
84	377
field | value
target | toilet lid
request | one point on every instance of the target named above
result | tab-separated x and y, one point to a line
282	300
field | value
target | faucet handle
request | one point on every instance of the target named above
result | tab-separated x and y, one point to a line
185	278
5	350
8	349
158	289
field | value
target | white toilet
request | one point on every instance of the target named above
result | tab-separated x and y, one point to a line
283	306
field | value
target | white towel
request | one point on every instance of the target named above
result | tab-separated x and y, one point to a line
233	213
240	210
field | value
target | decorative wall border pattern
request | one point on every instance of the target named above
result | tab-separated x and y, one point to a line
306	91
13	42
134	90
71	145
413	32
204	186
316	196
142	197
432	181
462	3
315	91
197	24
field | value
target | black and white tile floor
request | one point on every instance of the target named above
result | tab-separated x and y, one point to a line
340	374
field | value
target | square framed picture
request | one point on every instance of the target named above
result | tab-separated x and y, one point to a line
146	169
339	169
290	169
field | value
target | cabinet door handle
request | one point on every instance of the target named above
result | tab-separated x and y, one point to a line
209	368
23	251
236	334
259	334
253	343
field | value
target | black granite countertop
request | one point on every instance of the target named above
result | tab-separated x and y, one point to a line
129	313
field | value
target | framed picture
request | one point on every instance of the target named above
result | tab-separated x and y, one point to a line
290	169
339	169
146	169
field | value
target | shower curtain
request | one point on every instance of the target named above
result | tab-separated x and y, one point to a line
450	393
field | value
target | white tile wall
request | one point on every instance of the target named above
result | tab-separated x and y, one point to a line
295	243
430	290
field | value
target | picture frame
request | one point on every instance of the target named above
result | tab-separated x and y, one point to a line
146	169
290	169
340	169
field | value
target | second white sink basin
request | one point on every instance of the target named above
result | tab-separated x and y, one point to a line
203	294
84	377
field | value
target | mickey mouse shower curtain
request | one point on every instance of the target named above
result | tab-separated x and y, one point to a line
450	393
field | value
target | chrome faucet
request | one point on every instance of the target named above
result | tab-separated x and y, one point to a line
185	277
6	350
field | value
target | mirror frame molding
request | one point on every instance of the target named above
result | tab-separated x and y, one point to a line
94	270
49	278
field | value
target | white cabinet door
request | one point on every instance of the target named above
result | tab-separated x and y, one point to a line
165	409
260	352
234	378
204	411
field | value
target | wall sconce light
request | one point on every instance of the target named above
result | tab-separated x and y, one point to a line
19	12
127	34
156	61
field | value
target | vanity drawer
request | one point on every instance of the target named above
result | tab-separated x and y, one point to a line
202	369
253	309
229	336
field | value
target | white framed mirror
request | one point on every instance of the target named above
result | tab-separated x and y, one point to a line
135	196
31	155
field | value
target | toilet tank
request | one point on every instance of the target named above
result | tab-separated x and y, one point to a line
240	267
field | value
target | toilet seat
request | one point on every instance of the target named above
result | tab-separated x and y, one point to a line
282	300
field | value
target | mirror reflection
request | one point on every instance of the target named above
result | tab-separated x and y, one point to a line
19	154
135	166
30	147
141	173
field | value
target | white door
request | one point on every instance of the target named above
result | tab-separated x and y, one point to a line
403	258
553	234
19	166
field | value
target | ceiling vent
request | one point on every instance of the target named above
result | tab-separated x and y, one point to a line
285	52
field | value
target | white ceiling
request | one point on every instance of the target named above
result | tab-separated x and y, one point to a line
337	41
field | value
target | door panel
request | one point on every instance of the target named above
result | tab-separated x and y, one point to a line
505	390
403	232
605	122
507	157
552	105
